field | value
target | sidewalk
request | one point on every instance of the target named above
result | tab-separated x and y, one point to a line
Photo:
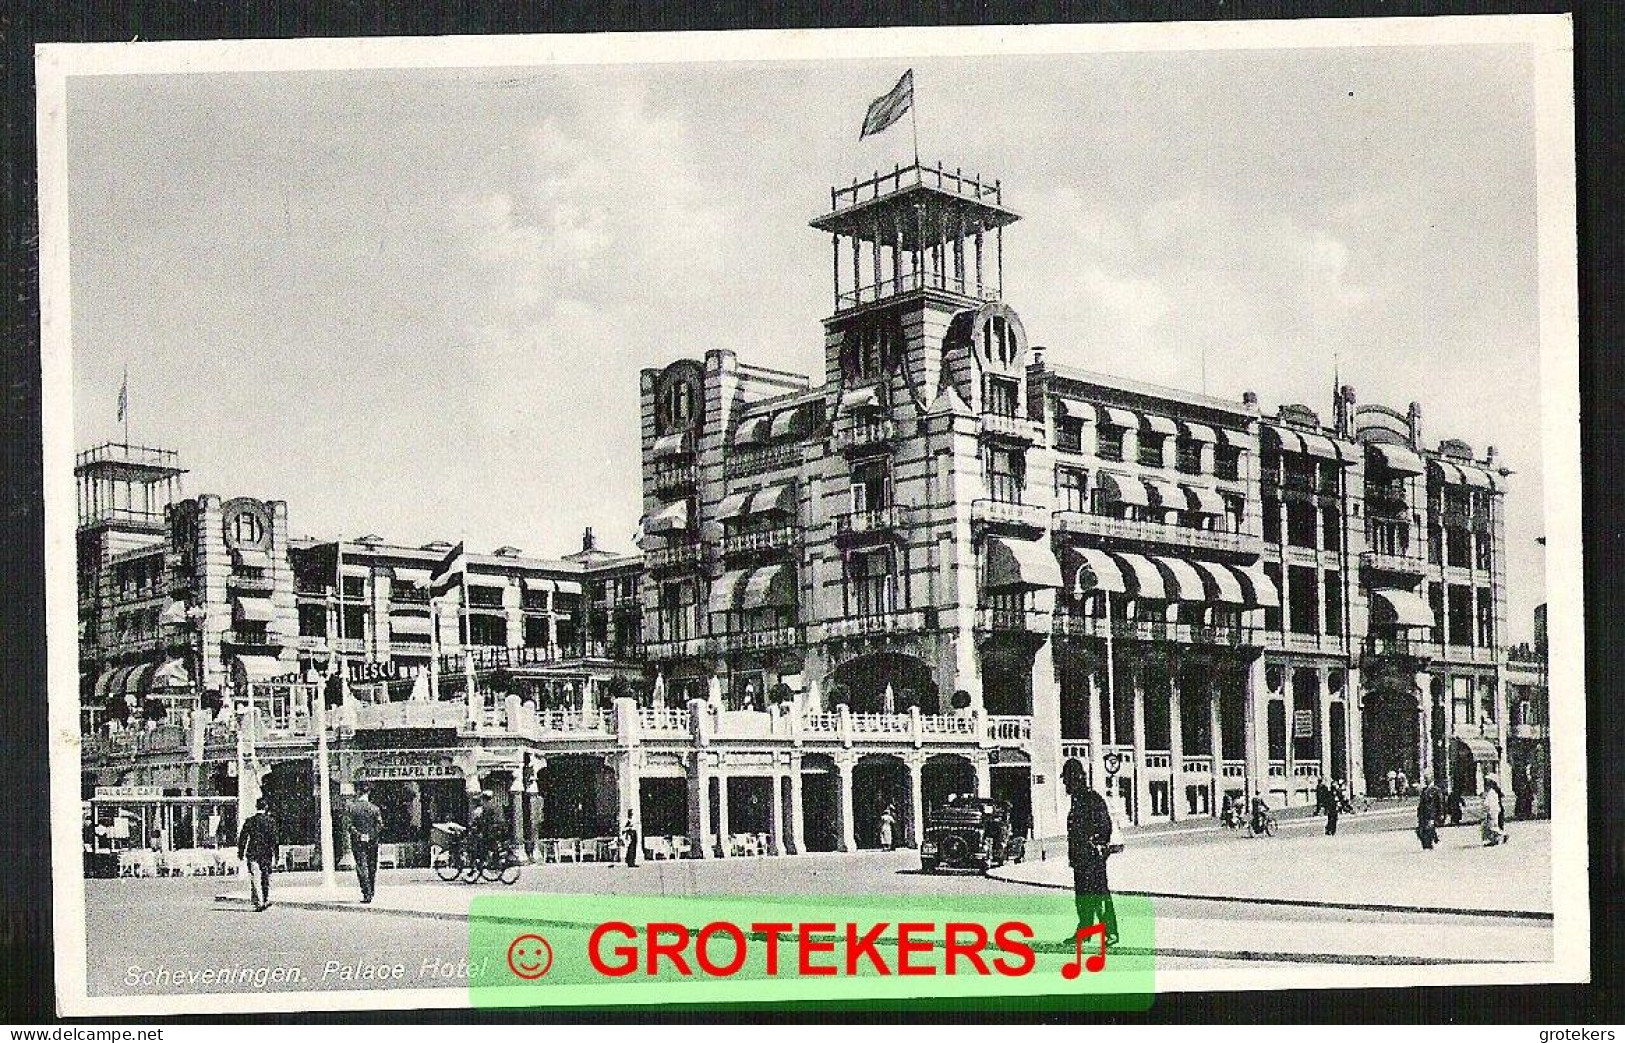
1380	870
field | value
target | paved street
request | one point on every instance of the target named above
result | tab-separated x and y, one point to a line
140	927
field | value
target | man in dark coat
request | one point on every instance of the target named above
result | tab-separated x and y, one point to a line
257	847
1088	836
1429	813
1332	811
1323	796
366	823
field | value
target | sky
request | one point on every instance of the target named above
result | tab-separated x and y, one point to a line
416	302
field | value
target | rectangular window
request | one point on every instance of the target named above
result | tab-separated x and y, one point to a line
1331	528
1300	472
1070	485
999	396
1486	700
568	603
673	621
1272	615
568	633
485	597
1334	602
1235	511
1461	700
312	621
871	486
1188	456
869	584
1109	442
1006	473
533	600
1436	603
1435	545
1272	520
1459	602
1227	462
1069	434
1300	524
1329	473
1486	618
1483	558
1388	537
1303	600
355	621
407	592
1150	454
251	633
1458	547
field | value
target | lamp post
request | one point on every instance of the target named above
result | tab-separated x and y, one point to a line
324	782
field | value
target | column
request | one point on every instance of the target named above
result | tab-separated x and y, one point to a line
798	815
1325	712
776	805
1255	729
1288	702
1142	783
516	810
341	821
1049	802
916	802
984	771
532	813
1424	728
844	765
1354	723
699	807
1176	743
1215	728
1097	737
723	830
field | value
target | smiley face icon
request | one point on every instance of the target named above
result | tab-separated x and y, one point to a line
530	957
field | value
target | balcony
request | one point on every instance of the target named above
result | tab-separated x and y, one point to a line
680	648
664	721
372	716
675	477
251	584
1234	769
1003	514
1082	523
1016	620
1157	630
1011	429
253	639
758	640
1402	564
764	541
878	523
883	623
1197	764
743	462
1010	729
866	434
910	282
677	557
1399	648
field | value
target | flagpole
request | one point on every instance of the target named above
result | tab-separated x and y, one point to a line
914	122
126	405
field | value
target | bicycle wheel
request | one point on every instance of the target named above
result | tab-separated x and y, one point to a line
1271	826
448	869
471	869
510	874
491	869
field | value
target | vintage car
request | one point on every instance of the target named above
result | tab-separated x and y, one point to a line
969	833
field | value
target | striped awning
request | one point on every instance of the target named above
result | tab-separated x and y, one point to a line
537	583
1289	440
1396	458
172	674
862	398
1258	588
1481	750
1409	608
1205	501
138	680
1075	409
1118	417
1238	439
769	586
1094	570
780	499
1225	583
104	683
1477	477
1161	425
1121	488
1019	565
1169	496
250	668
252	610
674	444
732	506
1497	482
1185	582
1198	432
1144	579
787	423
1319	445
410	625
671	518
753	430
728	590
567	586
419	577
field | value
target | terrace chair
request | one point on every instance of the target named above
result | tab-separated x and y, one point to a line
569	850
389	856
548	849
609	849
680	846
587	850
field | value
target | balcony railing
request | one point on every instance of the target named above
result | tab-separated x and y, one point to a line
779	538
679	648
1235	769
675	477
1011	428
1001	512
1159	760
257	584
757	640
1014	619
1413	563
880	623
1196	765
768	458
866	433
1277	769
664	720
1075	625
1010	728
684	555
872	523
370	716
1085	524
907	282
123	516
1305	769
956	725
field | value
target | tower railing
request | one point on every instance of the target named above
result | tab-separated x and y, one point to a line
901	177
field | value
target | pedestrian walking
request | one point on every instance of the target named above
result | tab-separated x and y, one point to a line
1494	828
1323	797
1089	845
257	848
1429	810
629	834
888	825
1333	809
366	824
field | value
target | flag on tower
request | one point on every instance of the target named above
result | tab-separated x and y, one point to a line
124	396
889	107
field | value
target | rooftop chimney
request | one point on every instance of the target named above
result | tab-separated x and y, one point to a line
1250	399
587	542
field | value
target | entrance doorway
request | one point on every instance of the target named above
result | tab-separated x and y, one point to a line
663	806
1013	784
820	803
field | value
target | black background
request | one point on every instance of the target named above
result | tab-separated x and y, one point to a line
26	992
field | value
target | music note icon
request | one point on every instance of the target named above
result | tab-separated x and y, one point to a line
1096	962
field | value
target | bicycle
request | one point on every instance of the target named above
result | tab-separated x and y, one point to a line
1271	825
453	860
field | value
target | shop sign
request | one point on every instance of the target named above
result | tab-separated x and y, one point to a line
407	768
1303	724
128	792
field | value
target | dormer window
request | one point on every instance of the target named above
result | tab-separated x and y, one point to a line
999	396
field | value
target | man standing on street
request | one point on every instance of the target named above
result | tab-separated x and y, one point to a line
1333	808
366	823
257	847
1089	837
629	834
1429	812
